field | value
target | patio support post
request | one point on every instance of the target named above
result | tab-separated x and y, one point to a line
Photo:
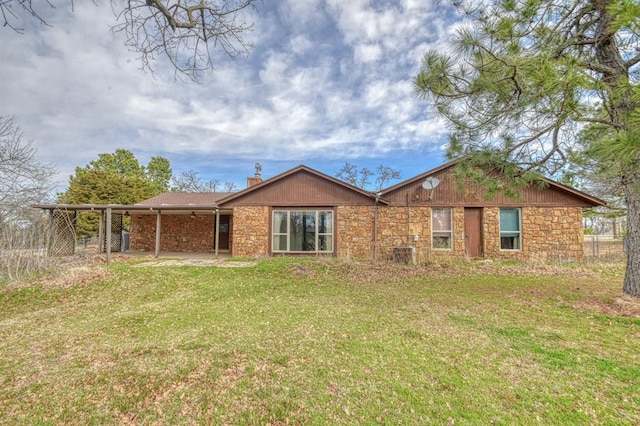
101	232
158	223
108	236
217	244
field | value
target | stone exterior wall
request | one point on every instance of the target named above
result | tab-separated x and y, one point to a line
178	233
548	233
251	231
354	232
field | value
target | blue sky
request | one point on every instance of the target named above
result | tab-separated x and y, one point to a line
327	82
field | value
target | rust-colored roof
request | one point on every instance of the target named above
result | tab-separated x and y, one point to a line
185	199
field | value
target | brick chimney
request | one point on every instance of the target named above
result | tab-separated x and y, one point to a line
256	179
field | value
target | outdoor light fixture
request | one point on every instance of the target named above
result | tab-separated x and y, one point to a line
126	213
193	215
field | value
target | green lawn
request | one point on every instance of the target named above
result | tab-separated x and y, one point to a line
298	341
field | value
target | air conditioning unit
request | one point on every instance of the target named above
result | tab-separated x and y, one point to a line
404	254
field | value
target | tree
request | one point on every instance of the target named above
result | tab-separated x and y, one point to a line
23	180
187	32
527	78
361	178
188	181
159	173
116	178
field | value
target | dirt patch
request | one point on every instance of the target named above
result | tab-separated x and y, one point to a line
621	306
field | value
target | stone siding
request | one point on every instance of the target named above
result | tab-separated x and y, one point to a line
354	232
251	231
548	233
178	233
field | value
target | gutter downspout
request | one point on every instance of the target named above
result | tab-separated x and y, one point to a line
217	242
375	227
158	226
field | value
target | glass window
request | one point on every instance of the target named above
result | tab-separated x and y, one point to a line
510	234
442	228
302	231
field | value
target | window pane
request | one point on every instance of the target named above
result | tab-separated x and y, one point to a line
509	220
441	219
302	231
279	243
441	242
325	222
279	222
325	243
510	243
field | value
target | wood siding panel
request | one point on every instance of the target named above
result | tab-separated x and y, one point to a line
301	189
448	194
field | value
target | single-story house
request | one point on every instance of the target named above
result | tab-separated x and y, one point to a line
305	212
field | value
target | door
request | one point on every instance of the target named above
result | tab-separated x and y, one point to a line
473	231
224	232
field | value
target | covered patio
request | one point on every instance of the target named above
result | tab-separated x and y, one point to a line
111	218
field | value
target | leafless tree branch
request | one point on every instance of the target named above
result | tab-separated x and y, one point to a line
187	32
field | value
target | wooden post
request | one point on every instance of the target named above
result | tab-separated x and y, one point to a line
108	236
158	224
101	233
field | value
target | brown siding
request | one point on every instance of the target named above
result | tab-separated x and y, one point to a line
301	189
448	194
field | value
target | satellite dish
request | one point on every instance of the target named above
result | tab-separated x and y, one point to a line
430	182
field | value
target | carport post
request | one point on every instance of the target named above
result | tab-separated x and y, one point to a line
217	231
158	222
108	236
101	232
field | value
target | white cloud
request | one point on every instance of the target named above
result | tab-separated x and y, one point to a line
326	80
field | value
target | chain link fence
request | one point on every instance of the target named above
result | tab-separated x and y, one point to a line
603	248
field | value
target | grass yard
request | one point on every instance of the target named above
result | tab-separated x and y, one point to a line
300	341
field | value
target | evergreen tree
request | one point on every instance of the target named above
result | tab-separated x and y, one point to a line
116	178
526	77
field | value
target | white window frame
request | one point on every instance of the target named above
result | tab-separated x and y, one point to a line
518	232
450	231
317	234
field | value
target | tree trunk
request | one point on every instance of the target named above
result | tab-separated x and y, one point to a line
631	185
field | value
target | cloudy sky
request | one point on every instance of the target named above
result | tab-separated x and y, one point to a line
327	82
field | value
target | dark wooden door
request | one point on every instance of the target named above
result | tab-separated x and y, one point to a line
473	231
224	233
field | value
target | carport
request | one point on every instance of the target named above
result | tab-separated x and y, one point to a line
107	213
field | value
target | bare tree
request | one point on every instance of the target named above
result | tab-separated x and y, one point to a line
23	181
187	32
361	177
230	187
188	181
384	175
